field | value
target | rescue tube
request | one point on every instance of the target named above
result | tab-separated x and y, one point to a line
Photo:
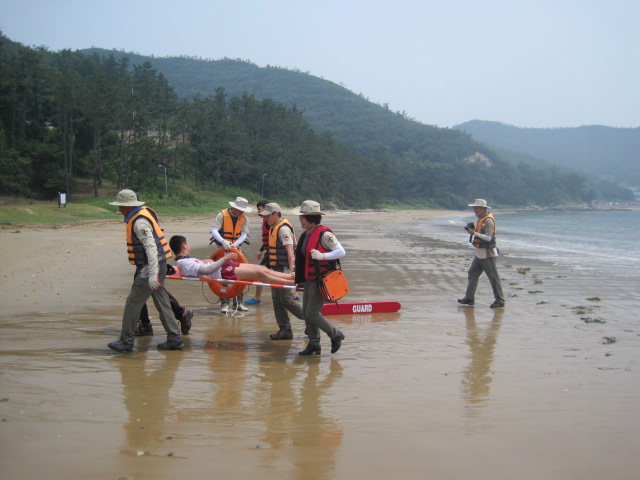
227	290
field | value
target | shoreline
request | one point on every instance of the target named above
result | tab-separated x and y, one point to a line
545	387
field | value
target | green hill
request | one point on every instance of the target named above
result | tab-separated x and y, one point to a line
115	117
613	153
369	128
433	165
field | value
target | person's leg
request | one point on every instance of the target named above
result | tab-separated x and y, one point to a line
256	297
176	308
491	269
144	323
288	300
282	317
475	270
144	327
138	295
144	315
162	303
312	304
237	302
255	273
310	328
183	315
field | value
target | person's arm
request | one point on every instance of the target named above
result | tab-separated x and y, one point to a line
240	240
215	232
244	233
331	243
209	268
489	228
291	257
144	232
482	236
336	253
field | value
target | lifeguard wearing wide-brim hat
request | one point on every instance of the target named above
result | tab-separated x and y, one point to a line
480	202
230	230
148	250
317	251
308	207
127	198
483	237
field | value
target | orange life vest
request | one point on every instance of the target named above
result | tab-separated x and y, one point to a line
231	226
135	249
478	242
277	253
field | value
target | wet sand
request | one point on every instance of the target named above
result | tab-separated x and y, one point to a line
546	388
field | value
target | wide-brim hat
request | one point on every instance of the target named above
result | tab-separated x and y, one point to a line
126	198
241	204
479	202
308	207
270	208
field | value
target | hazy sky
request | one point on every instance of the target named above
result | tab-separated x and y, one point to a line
529	63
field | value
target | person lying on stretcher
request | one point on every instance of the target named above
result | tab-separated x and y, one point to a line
226	267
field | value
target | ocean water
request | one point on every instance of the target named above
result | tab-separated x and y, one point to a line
605	243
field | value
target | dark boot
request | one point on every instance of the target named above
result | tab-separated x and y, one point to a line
143	329
311	350
173	344
337	342
120	346
283	334
466	301
185	321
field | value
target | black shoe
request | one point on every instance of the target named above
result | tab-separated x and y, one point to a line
497	304
465	301
337	342
177	344
185	321
283	334
120	346
143	329
311	350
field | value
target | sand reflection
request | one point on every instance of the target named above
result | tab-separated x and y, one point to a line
300	436
147	382
476	381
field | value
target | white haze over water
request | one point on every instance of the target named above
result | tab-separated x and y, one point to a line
600	242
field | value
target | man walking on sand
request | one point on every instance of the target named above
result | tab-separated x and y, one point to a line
483	237
282	245
148	251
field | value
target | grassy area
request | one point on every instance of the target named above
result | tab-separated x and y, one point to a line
84	207
16	212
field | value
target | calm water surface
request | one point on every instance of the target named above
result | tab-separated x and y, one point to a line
601	242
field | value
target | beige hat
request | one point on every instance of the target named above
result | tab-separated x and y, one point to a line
308	207
127	198
241	204
479	202
270	208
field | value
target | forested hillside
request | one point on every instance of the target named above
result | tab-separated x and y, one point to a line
71	115
609	152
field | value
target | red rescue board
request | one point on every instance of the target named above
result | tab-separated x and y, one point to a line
351	308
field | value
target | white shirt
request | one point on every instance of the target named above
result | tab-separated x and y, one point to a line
189	267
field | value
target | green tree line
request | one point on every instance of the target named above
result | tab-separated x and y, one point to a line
67	116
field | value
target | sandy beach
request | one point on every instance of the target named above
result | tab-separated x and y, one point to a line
546	388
